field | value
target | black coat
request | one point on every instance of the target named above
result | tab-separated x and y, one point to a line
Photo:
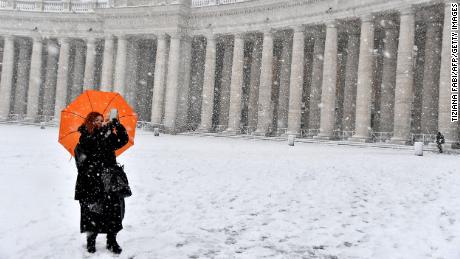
100	212
97	151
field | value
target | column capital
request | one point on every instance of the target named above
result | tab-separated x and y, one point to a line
8	37
367	18
239	35
408	10
267	33
210	36
90	40
331	24
299	28
37	38
64	40
162	36
109	37
122	37
176	35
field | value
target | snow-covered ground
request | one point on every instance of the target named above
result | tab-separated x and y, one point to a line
204	197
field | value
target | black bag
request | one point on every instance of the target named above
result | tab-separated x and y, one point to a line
80	155
116	182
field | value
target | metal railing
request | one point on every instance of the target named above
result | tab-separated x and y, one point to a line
55	6
343	134
247	130
425	138
147	125
308	133
380	137
219	128
83	7
25	5
204	3
91	5
3	4
39	120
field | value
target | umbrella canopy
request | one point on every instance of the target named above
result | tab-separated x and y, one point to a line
73	116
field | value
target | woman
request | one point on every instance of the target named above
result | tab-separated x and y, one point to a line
101	211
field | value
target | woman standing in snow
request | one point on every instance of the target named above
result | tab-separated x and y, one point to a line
102	211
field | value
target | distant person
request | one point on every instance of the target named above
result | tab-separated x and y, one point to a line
102	209
439	141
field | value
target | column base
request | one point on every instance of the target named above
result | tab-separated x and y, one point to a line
360	139
203	130
287	134
30	120
323	136
230	132
260	133
400	141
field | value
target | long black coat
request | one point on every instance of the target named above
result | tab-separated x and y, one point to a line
96	153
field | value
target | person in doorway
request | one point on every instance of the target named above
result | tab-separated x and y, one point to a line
439	141
101	211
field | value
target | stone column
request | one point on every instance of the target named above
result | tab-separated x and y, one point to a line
22	81
388	80
35	79
208	85
364	87
316	81
254	83
285	73
6	82
62	77
351	79
224	100
183	96
296	82
78	70
120	66
265	111
107	64
404	78
448	128
236	86
88	82
328	89
50	78
159	80
132	72
172	84
430	91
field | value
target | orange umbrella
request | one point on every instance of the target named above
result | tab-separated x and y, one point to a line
73	116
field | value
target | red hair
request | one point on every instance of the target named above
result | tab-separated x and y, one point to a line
90	119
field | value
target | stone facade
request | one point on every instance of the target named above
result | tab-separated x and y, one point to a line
329	69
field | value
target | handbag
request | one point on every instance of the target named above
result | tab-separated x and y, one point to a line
116	182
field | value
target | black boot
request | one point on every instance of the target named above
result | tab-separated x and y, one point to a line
112	244
91	242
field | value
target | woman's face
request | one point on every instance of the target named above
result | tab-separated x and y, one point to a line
98	121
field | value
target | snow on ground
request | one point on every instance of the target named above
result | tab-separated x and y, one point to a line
204	197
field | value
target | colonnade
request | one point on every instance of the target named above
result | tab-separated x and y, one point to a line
309	78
